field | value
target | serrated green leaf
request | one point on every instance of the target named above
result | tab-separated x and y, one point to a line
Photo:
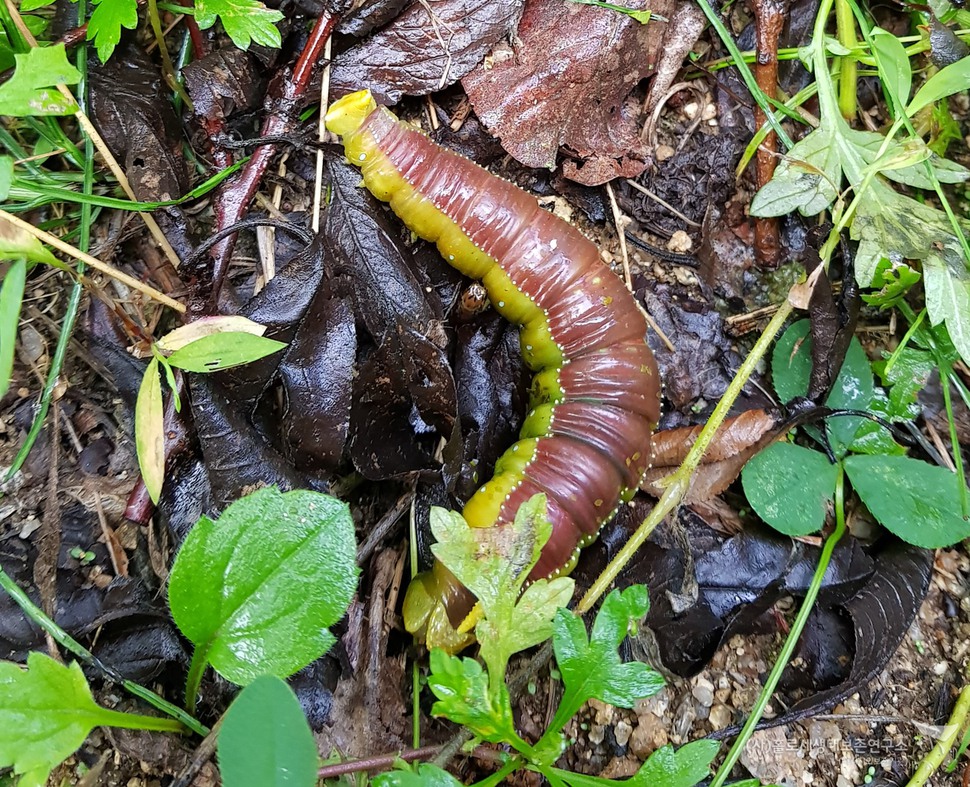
917	501
216	351
908	375
869	144
591	667
807	179
530	622
686	767
890	225
107	21
150	431
895	70
494	562
265	739
945	82
244	21
46	712
947	288
462	689
32	88
11	298
423	775
256	589
894	281
790	487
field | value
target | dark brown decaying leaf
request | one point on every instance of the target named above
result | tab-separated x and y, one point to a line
237	458
697	372
404	387
223	82
130	107
705	588
881	614
565	84
363	16
430	46
280	306
317	375
491	382
117	611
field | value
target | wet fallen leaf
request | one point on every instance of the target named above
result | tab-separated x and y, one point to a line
431	45
565	83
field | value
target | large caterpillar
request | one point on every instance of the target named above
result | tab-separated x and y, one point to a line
595	395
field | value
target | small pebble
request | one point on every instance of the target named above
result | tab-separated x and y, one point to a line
663	152
703	692
720	716
622	732
679	242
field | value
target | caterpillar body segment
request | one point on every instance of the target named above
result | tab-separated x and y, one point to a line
595	395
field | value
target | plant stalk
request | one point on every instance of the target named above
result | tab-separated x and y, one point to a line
849	68
678	483
934	759
65	640
792	639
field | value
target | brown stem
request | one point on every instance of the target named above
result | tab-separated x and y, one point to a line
281	104
770	18
386	761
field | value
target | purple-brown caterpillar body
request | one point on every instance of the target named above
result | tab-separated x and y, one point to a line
595	396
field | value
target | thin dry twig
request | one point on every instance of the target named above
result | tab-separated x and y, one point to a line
94	262
619	220
644	190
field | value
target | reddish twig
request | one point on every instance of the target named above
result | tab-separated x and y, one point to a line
385	761
770	16
282	100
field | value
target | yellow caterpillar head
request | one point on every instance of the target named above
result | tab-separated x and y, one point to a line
346	115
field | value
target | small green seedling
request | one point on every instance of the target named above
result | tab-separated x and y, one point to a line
207	345
886	223
791	487
643	17
255	591
46	712
493	563
245	21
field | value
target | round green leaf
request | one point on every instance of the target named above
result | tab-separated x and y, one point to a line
791	367
265	739
917	501
790	487
256	590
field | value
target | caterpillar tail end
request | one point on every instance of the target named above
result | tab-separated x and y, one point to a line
426	611
347	114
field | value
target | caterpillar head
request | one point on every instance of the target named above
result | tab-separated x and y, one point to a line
346	115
